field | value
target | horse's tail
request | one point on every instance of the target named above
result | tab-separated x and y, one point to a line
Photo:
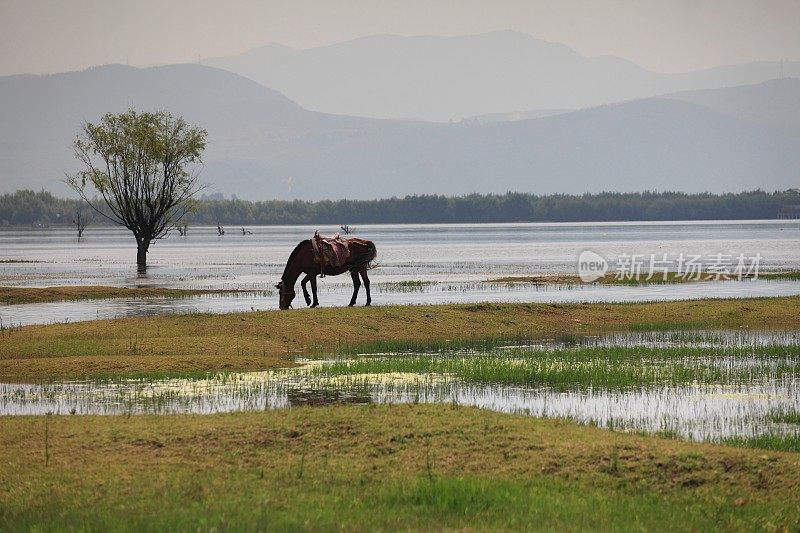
365	259
372	263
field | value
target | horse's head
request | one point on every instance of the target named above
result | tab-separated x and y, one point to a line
285	295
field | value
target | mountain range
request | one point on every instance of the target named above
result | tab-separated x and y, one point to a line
449	78
264	145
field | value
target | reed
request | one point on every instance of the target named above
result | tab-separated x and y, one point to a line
613	367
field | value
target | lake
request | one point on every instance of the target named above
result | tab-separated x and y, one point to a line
418	263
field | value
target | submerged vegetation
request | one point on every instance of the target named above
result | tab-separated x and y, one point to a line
28	295
670	277
613	367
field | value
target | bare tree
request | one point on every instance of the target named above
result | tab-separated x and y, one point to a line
137	163
81	220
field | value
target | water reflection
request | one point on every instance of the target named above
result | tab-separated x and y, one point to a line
696	411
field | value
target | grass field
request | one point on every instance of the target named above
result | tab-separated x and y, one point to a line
379	467
389	467
262	340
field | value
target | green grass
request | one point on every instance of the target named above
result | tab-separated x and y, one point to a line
368	504
599	367
784	443
378	468
786	417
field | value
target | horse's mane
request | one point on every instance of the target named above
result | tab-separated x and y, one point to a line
293	254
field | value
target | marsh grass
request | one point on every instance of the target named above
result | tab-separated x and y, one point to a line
657	279
786	417
404	286
28	295
443	345
602	367
768	441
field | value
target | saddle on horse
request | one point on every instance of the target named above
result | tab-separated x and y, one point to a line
330	252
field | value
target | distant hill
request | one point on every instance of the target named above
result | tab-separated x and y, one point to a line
40	116
262	145
443	78
775	103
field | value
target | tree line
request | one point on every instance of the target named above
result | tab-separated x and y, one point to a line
26	207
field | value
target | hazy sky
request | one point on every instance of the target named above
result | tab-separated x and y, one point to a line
669	35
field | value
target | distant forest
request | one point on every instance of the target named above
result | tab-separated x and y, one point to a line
27	207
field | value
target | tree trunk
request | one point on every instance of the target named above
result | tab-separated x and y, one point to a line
141	255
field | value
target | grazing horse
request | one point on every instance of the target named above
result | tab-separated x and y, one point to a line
303	260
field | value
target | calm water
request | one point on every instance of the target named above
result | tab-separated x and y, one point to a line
452	262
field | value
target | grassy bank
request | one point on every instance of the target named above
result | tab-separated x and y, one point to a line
262	340
671	277
35	295
378	467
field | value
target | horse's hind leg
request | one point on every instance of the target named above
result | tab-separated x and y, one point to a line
314	290
356	286
366	285
305	291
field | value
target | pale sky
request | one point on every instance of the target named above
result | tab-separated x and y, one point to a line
39	36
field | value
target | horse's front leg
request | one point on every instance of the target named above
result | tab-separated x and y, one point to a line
314	290
366	285
356	286
305	291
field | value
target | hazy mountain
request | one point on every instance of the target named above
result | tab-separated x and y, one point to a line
263	145
442	78
40	116
775	103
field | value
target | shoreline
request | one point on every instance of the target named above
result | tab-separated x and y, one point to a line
657	279
261	340
13	295
69	293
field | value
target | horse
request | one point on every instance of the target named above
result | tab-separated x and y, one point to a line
302	260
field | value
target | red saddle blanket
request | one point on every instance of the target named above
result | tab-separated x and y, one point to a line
330	251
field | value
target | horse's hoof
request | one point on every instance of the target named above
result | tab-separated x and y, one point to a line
315	304
308	301
351	304
367	304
